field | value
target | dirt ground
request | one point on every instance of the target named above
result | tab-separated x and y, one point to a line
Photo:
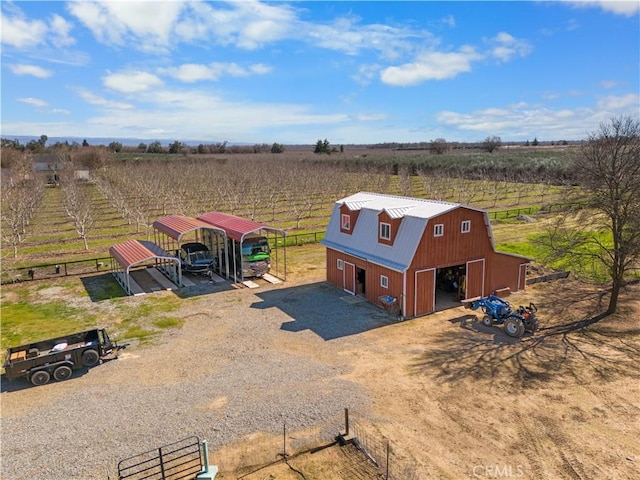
461	400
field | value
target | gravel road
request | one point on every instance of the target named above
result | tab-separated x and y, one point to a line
244	361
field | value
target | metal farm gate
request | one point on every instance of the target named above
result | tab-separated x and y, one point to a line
181	460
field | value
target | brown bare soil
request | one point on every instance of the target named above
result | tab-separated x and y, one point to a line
455	399
460	400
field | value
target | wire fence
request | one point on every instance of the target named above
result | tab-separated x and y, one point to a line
387	458
83	267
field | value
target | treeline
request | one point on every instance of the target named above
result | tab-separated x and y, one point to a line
519	166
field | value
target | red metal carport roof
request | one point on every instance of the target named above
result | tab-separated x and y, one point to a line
236	227
134	252
177	225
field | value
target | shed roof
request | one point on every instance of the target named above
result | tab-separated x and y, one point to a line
235	227
178	225
135	252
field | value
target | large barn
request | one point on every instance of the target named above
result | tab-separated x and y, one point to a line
422	254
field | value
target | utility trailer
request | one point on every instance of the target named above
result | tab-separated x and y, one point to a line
58	357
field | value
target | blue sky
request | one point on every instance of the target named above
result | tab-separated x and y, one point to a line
296	72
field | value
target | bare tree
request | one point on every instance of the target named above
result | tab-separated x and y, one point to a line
491	143
78	206
439	146
607	232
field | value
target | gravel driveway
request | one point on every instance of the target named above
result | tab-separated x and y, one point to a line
243	361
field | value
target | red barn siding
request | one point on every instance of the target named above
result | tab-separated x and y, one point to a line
454	247
505	272
487	270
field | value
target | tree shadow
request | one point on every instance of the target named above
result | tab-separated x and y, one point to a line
579	349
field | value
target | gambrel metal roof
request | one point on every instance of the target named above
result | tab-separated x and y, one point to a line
363	240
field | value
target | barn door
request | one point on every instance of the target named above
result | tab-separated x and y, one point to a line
475	279
349	278
425	295
522	276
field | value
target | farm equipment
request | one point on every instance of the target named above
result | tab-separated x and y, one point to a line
496	310
58	357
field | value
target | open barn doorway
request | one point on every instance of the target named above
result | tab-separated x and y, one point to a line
361	281
450	286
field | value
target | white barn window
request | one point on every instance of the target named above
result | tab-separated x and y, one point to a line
384	281
385	231
346	222
438	230
466	226
340	264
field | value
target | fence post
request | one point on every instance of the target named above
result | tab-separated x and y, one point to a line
161	463
346	422
284	439
387	476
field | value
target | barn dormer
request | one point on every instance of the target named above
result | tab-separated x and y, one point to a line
388	224
348	218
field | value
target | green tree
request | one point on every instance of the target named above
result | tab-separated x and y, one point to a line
155	147
176	147
115	146
535	142
85	143
142	147
277	148
606	235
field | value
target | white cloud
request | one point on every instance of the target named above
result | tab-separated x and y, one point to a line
131	82
627	8
20	32
23	69
94	99
366	74
504	47
449	21
145	25
615	103
62	111
60	29
608	84
36	102
525	120
431	66
193	72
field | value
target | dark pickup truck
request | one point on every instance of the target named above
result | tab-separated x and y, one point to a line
58	357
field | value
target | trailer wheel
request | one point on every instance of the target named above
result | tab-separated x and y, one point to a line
487	321
63	372
90	358
514	327
40	377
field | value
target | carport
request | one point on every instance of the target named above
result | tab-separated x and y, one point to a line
175	227
139	253
237	229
